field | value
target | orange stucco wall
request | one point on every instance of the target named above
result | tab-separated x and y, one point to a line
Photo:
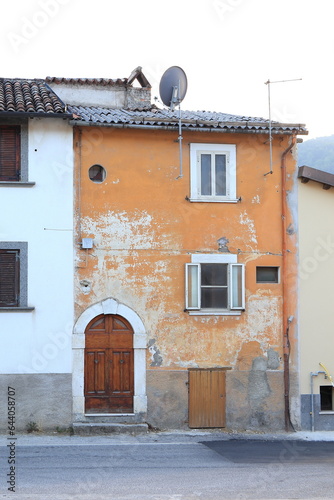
145	230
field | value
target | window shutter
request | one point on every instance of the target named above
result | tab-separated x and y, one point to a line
193	289
10	153
9	278
237	286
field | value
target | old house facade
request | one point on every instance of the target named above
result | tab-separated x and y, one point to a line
181	274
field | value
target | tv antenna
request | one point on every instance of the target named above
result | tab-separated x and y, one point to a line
268	82
172	89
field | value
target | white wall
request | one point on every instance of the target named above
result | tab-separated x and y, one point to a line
91	95
42	215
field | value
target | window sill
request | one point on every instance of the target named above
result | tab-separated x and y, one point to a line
16	184
16	309
213	313
109	414
213	200
328	412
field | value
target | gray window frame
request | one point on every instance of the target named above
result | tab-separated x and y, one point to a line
24	154
22	246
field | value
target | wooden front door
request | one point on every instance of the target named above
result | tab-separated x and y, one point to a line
109	377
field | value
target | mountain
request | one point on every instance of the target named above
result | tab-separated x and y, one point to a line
317	153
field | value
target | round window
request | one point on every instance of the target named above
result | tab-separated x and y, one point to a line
97	173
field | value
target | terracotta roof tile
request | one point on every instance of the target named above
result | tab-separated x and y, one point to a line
28	96
87	81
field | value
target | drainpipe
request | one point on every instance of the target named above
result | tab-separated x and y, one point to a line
79	153
286	318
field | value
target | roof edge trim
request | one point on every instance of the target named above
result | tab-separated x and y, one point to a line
306	174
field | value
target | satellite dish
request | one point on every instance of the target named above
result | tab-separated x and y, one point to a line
173	86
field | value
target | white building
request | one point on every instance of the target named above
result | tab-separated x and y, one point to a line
316	289
36	253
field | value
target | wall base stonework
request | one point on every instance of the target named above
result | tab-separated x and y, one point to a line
167	392
45	399
323	421
254	399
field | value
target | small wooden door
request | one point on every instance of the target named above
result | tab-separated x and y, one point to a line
207	397
109	384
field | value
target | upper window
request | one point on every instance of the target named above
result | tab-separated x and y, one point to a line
213	172
215	285
13	275
10	154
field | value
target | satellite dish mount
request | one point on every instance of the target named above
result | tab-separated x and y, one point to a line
173	88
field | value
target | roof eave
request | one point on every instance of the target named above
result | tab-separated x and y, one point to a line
307	174
226	128
27	114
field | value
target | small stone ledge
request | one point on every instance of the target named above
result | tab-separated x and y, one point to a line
93	429
17	184
16	309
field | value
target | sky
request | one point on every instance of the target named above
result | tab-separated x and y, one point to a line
227	48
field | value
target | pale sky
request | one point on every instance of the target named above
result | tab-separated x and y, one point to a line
227	48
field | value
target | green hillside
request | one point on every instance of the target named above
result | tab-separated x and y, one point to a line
317	153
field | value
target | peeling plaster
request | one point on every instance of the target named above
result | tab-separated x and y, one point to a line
273	359
222	244
85	286
125	230
258	392
186	364
267	358
291	230
264	318
155	353
245	220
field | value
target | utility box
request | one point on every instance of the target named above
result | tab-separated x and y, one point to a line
87	243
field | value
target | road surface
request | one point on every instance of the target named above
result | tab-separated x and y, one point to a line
175	470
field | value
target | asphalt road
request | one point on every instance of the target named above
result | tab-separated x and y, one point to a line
204	470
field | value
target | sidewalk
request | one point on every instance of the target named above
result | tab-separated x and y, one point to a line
167	437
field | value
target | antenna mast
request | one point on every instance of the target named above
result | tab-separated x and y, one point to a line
173	88
176	100
268	82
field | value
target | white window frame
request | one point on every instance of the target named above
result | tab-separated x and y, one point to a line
233	265
229	150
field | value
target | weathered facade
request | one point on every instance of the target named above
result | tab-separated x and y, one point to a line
316	266
204	279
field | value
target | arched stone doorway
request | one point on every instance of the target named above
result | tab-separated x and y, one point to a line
109	308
